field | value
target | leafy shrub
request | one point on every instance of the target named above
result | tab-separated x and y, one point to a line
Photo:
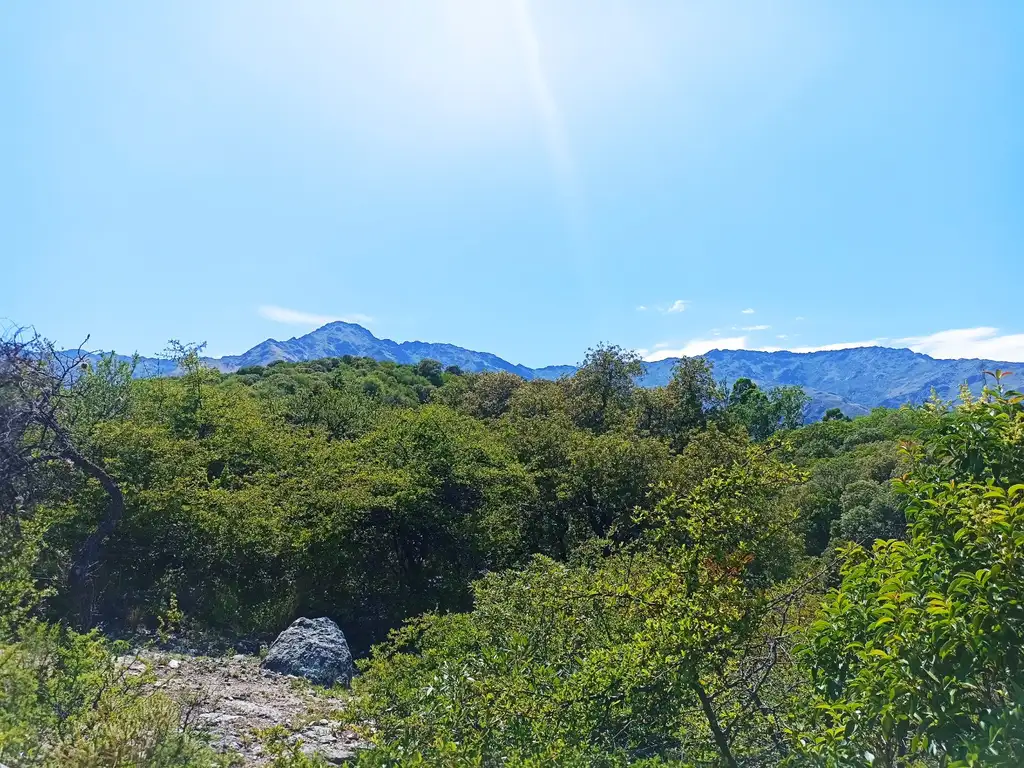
19	594
916	656
68	700
633	658
628	565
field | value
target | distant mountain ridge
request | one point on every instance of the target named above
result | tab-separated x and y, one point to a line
855	380
341	338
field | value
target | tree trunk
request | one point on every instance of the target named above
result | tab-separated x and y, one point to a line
93	546
716	729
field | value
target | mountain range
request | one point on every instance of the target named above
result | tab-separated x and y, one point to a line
854	380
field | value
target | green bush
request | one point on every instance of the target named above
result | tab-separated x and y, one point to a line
589	574
69	700
916	659
635	657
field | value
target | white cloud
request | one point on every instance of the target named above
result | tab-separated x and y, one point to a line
748	311
679	305
983	342
694	347
799	318
756	327
298	317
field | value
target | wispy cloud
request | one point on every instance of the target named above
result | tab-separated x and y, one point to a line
541	92
298	317
748	311
756	327
549	112
799	318
982	342
661	351
693	347
679	305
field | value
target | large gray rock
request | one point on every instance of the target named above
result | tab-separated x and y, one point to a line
315	649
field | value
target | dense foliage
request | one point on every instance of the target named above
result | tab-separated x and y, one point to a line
917	653
368	491
642	652
572	572
70	700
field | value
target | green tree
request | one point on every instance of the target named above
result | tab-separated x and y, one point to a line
420	507
490	394
600	393
642	656
916	657
430	370
607	479
690	400
766	412
835	414
51	404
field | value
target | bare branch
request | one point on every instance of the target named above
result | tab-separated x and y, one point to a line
49	402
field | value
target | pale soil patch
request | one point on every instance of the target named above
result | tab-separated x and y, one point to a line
233	700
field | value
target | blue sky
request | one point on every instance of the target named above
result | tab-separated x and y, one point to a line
521	177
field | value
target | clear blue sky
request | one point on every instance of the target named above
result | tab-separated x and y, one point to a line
516	176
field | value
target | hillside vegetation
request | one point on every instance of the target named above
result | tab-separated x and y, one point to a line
853	380
577	572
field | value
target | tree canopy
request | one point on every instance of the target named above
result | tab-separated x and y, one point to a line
573	572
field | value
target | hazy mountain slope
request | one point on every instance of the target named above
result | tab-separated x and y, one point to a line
854	380
864	377
554	371
339	338
871	376
822	401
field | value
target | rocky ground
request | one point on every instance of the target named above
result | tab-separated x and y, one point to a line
237	703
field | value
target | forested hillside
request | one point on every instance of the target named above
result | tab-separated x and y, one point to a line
579	571
853	380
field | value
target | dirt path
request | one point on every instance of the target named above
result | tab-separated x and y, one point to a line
235	701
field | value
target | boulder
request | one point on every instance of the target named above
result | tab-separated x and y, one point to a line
315	649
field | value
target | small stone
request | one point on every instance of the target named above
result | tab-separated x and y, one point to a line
174	663
219	717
